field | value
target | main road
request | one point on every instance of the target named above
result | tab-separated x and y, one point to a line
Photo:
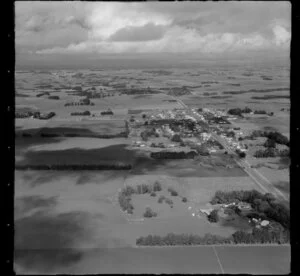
255	175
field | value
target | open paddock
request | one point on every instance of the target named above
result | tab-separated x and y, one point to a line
211	166
86	126
74	151
263	260
201	190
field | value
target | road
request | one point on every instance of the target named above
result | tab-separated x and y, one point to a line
179	101
255	175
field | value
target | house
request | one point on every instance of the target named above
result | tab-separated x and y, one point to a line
244	206
206	211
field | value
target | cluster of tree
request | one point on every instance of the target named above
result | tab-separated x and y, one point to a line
260	112
77	104
202	149
266	77
264	204
125	203
172	191
24	114
46	116
93	94
36	115
149	213
43	94
182	239
235	111
25	134
159	145
246	110
75	167
84	113
230	134
219	120
53	97
103	136
261	235
271	152
272	135
270	143
179	91
176	138
223	197
85	101
213	216
240	153
107	112
77	88
139	91
213	143
269	97
148	133
125	194
168	201
239	111
175	123
173	155
142	189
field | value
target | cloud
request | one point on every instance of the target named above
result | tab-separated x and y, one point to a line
152	27
282	36
143	33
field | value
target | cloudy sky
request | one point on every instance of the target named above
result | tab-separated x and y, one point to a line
52	29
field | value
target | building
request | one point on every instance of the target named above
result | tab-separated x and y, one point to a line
243	206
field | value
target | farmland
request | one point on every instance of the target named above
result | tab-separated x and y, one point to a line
152	111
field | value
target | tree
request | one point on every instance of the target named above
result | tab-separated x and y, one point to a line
270	143
172	191
202	150
230	134
176	138
157	186
242	154
213	216
149	213
161	199
168	201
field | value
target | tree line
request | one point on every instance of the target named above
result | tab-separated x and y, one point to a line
257	236
103	136
84	113
276	136
74	167
173	155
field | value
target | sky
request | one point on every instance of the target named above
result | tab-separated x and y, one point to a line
77	31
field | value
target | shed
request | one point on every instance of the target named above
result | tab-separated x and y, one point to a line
264	223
